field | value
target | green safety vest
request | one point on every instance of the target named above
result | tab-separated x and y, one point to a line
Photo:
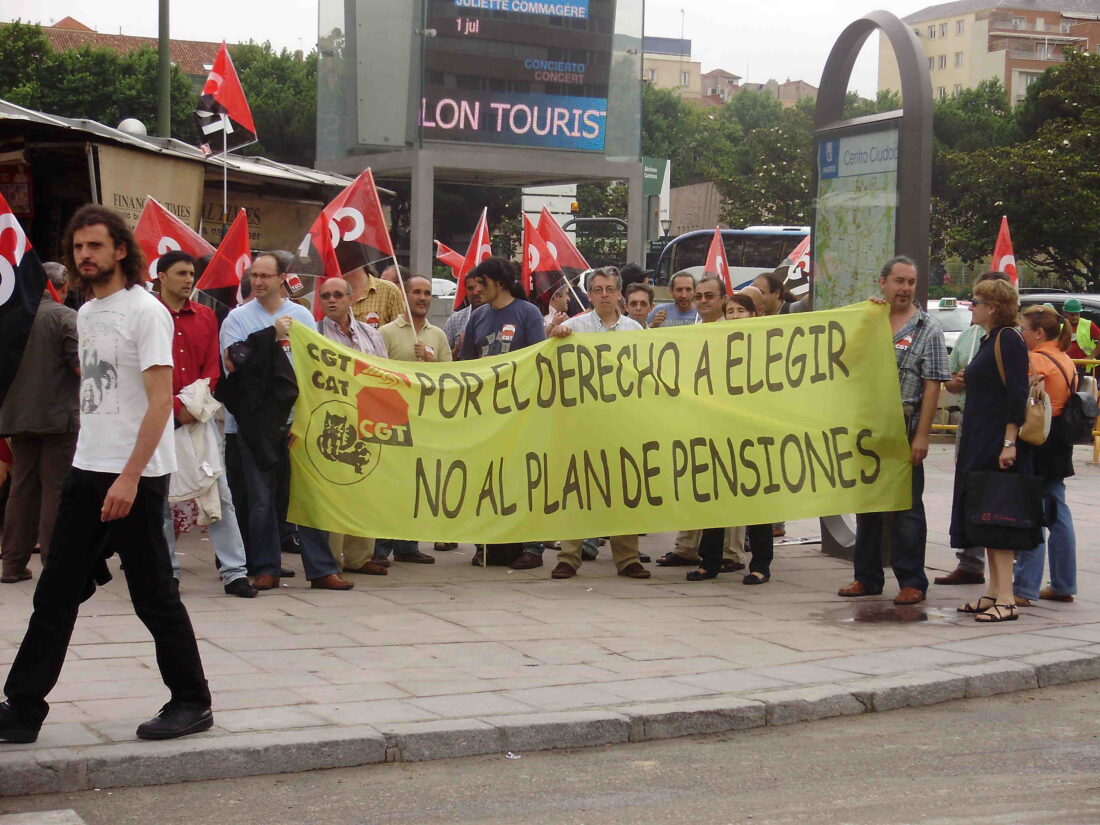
1084	336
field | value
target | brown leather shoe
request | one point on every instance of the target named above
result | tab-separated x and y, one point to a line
635	571
527	561
1049	595
331	582
380	560
909	595
1021	601
856	588
960	576
563	571
371	568
266	582
25	575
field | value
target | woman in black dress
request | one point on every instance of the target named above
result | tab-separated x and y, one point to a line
995	410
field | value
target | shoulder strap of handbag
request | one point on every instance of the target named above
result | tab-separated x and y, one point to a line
997	355
1072	386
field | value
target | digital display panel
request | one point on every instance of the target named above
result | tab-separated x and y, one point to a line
529	73
855	222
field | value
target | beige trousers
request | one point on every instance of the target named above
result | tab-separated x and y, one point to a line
350	552
624	552
687	544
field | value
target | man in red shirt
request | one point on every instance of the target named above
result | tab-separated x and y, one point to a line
195	356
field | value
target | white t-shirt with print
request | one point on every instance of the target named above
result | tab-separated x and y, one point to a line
121	336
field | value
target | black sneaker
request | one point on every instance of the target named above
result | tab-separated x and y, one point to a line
13	728
177	719
241	587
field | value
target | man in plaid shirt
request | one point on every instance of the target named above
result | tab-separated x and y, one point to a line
922	365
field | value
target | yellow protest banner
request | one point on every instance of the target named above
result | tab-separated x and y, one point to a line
743	422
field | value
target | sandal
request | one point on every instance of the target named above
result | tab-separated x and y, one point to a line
730	566
675	560
756	578
977	607
701	575
998	613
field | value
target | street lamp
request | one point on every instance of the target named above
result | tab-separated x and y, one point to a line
666	225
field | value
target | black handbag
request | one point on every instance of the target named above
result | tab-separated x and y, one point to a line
1078	417
1004	510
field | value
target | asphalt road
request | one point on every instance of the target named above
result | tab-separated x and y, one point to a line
1024	759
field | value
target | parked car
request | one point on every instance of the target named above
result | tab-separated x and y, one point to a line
953	316
442	287
1090	303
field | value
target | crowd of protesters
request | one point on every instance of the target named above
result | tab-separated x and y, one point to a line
118	441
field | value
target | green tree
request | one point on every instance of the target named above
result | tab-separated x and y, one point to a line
1048	184
103	85
281	87
23	47
702	143
777	186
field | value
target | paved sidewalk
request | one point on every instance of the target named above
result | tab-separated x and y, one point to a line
450	660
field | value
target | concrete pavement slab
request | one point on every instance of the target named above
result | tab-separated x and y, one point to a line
451	660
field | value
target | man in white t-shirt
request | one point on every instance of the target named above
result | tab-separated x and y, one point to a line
114	498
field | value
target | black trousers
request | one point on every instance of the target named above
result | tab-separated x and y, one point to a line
761	544
80	541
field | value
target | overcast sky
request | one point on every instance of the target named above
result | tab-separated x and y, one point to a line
757	39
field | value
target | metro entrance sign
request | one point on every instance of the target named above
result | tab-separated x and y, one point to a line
874	174
874	188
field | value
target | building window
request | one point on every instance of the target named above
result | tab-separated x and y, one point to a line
958	89
685	77
960	27
1065	26
931	32
958	59
943	61
941	92
1029	79
1044	51
916	31
931	63
652	75
1019	22
943	30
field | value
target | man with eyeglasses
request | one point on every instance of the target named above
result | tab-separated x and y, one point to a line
604	290
353	554
267	484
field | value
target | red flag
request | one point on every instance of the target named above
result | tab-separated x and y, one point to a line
716	260
448	256
233	257
1003	258
477	252
351	230
559	244
318	310
222	113
797	264
540	268
158	231
22	280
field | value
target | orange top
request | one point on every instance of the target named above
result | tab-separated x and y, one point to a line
1055	378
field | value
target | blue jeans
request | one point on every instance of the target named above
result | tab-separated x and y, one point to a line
398	547
1060	544
317	558
225	536
263	535
905	534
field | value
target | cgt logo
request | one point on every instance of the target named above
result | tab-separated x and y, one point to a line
165	244
382	410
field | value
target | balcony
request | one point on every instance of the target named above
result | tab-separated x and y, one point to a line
1015	54
1030	28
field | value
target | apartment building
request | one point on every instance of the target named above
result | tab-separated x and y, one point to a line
667	64
968	41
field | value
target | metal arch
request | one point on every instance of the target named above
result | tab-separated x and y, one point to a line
914	169
915	130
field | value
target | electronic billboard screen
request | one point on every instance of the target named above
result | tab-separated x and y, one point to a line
518	72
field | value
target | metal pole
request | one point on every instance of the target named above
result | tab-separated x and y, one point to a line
164	76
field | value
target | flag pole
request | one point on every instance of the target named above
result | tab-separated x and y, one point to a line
405	297
225	171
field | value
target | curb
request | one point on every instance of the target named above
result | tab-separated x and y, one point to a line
132	764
